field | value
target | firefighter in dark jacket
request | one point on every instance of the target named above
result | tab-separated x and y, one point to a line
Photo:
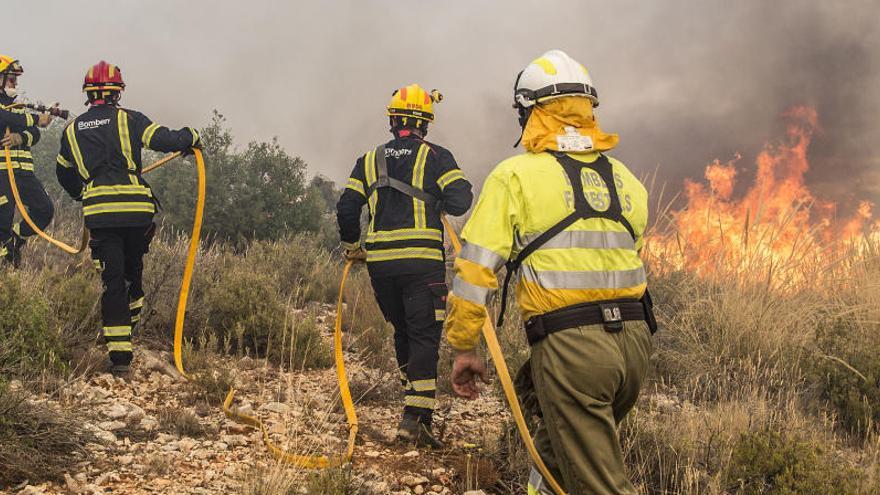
20	132
100	164
407	183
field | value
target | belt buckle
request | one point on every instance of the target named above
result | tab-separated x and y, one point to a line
535	331
612	318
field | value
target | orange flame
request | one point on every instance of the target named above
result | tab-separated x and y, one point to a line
777	225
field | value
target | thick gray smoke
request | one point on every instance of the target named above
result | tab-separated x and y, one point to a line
683	82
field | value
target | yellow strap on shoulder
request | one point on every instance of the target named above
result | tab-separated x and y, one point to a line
506	383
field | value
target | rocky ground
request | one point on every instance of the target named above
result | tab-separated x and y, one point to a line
155	432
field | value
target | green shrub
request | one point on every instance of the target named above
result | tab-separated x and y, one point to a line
75	302
29	344
848	370
302	346
773	462
245	308
335	481
261	192
303	269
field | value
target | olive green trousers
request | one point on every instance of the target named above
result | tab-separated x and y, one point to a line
582	383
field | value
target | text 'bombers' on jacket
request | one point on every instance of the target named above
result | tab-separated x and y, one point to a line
100	163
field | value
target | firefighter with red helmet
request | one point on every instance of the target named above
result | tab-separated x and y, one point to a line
99	164
20	131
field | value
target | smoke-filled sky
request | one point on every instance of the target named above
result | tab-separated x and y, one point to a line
682	82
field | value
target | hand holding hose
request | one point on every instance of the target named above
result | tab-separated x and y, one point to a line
357	255
12	139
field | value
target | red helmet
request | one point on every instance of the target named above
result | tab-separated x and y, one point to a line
103	77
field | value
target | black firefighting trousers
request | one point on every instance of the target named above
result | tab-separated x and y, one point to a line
118	253
416	306
33	195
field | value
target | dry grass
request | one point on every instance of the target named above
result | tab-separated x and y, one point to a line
759	384
36	442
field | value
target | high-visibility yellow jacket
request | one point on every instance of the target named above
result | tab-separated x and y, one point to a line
594	259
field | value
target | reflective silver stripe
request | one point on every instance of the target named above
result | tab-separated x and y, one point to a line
586	239
471	292
421	402
356	186
147	136
405	234
119	331
424	385
536	483
482	256
61	161
618	279
449	177
195	135
404	253
125	138
76	152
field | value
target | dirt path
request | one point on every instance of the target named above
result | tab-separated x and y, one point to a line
157	434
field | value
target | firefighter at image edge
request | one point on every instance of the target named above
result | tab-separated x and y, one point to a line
407	184
568	221
99	164
20	132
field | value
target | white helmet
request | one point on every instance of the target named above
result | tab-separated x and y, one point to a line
553	75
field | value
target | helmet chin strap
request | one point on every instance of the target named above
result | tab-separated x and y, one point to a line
10	92
524	114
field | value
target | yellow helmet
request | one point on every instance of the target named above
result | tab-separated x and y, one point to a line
413	101
9	65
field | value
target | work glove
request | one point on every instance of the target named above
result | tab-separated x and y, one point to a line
196	145
43	120
12	140
357	255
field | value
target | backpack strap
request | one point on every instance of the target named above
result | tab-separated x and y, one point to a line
384	180
582	210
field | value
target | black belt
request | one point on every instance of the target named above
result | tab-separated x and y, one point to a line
611	314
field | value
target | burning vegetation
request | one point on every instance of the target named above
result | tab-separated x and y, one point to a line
776	228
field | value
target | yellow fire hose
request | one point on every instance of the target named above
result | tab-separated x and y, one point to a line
507	384
27	218
84	240
306	461
312	461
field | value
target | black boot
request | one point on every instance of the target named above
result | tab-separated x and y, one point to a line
118	369
413	430
13	254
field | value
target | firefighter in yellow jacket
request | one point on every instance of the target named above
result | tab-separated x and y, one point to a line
567	221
